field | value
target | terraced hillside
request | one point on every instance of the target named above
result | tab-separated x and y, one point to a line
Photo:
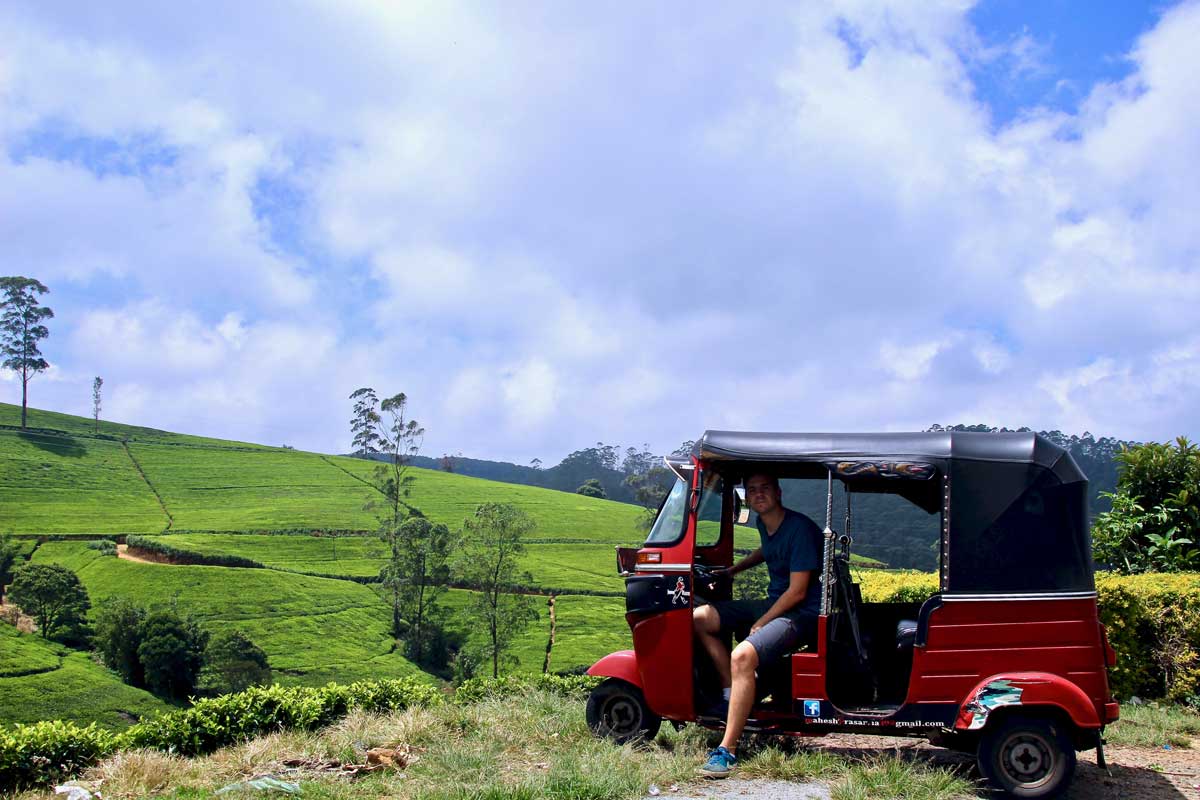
300	517
42	680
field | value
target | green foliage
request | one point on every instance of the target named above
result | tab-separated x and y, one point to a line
21	329
1154	524
575	687
417	575
47	752
9	553
488	562
53	596
171	652
1153	623
160	545
313	629
591	488
44	680
215	722
233	663
105	547
117	636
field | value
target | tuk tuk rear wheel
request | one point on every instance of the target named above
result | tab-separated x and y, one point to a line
617	710
1026	756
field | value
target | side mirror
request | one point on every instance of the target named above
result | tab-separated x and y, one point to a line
741	511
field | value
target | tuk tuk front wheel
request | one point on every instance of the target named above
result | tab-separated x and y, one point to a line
617	710
1027	756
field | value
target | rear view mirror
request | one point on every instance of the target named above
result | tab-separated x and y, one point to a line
741	511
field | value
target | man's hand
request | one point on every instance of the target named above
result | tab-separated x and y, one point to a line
756	627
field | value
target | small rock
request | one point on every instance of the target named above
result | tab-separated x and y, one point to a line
1135	701
653	791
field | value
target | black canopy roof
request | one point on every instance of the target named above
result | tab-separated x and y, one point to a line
940	448
1017	502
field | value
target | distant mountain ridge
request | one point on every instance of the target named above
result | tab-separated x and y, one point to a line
565	477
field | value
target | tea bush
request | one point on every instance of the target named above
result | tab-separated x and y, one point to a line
48	751
153	545
573	686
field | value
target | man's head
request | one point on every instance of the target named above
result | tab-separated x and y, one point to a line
763	494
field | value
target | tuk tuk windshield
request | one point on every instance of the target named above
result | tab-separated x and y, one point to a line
669	525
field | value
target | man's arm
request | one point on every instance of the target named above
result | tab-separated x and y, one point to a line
754	559
791	597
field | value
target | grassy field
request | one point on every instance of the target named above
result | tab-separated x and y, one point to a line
312	629
67	685
61	484
10	416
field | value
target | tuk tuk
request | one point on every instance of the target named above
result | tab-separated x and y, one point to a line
1008	659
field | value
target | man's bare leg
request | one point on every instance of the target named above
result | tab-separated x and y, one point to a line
706	623
741	697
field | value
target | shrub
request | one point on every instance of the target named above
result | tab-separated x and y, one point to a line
476	689
46	752
179	555
54	596
233	663
220	721
106	547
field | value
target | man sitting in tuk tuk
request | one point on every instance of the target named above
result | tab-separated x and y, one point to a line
791	546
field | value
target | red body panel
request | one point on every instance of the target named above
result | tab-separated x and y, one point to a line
1026	689
621	664
970	643
808	669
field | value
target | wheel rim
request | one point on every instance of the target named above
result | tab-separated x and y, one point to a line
1028	759
622	715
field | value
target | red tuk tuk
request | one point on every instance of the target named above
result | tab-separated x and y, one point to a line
1008	659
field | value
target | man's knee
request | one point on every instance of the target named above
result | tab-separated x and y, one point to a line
705	619
744	659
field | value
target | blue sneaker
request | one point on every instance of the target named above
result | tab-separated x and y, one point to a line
720	763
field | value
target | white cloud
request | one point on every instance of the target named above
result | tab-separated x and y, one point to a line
557	225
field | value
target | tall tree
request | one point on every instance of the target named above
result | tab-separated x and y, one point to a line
233	663
488	563
21	329
117	636
171	652
418	579
382	429
96	384
53	596
8	557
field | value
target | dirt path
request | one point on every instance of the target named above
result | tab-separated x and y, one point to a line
1137	773
123	552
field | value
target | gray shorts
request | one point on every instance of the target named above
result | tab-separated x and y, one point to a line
772	641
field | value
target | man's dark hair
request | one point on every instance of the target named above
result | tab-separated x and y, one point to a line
774	480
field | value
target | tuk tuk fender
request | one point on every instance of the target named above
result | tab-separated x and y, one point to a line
621	664
1026	690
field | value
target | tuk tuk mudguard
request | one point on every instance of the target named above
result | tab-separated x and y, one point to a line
621	664
1031	690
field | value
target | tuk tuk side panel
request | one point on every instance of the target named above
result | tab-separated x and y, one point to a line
663	643
663	640
969	641
808	669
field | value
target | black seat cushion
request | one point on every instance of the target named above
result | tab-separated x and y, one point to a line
906	633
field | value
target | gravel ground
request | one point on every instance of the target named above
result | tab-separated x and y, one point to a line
1135	773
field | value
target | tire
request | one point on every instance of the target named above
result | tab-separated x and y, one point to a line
617	710
1026	756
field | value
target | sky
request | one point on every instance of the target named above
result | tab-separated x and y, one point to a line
552	224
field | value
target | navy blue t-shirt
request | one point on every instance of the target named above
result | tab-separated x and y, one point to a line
796	546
